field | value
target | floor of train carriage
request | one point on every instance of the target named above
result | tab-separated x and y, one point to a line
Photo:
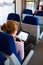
37	58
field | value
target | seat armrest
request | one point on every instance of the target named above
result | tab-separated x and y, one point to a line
12	60
7	62
28	57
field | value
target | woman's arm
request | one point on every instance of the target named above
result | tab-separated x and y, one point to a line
20	48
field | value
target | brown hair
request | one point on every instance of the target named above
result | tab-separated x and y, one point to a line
10	26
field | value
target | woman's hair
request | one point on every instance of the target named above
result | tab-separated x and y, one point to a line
10	27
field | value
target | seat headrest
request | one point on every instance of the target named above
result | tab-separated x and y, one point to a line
31	20
13	16
39	13
27	11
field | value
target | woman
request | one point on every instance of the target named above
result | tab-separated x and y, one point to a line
11	27
37	6
41	5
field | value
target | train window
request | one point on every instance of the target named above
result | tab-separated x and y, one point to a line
30	4
8	1
2	1
6	7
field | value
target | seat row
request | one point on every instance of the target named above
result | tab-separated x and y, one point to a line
37	13
29	24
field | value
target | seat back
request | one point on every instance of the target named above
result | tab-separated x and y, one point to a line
15	17
31	24
39	14
7	45
2	58
26	12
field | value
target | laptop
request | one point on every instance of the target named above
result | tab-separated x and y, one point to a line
23	35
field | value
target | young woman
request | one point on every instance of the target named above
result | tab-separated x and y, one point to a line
11	27
38	7
41	5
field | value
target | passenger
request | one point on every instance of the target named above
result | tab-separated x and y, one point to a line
39	6
11	27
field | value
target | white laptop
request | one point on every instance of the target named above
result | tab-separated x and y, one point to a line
23	35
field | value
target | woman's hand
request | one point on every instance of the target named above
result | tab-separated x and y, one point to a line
15	37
